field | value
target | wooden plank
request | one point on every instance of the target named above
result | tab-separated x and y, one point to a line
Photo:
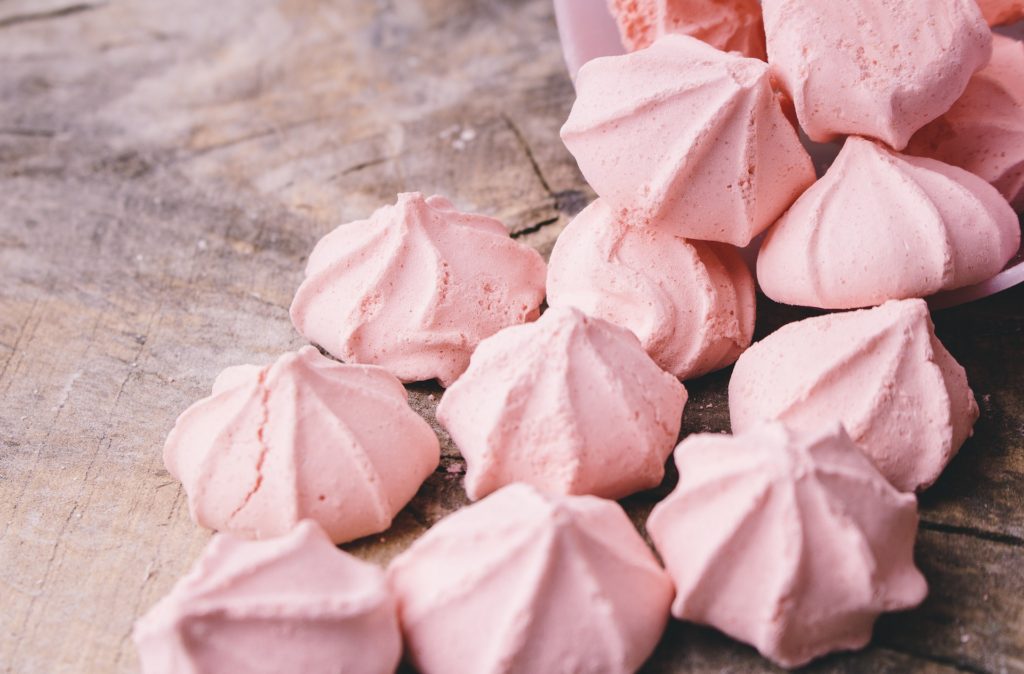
164	171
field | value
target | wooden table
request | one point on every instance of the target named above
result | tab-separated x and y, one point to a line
165	167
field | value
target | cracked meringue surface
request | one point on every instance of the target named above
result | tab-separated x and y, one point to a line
873	67
729	25
570	404
789	541
290	604
984	130
687	137
881	372
880	225
691	303
526	582
305	437
415	287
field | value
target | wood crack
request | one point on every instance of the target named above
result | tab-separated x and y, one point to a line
946	661
529	155
58	13
532	229
974	532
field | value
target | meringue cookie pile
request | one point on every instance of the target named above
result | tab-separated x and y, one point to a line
792	535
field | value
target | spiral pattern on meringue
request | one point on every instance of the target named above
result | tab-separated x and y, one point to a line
687	137
416	287
791	542
289	604
881	372
880	225
524	582
729	25
305	437
569	404
984	130
872	67
690	303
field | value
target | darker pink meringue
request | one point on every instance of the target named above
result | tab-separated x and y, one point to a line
528	583
881	372
306	437
416	287
289	604
688	138
729	25
873	67
880	225
999	12
984	130
569	404
791	542
690	303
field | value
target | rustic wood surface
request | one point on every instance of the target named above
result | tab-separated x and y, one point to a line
165	167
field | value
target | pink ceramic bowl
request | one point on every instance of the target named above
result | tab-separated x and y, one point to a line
587	30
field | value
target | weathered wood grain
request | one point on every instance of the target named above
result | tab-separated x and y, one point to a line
165	169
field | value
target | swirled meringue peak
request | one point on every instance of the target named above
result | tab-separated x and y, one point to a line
791	542
686	136
690	303
569	404
999	12
881	372
524	582
305	437
984	130
289	604
416	287
729	25
880	225
872	67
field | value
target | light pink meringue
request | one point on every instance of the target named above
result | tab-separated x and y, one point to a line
289	604
984	130
306	437
999	12
690	303
416	287
689	138
880	225
523	583
881	372
729	25
873	67
569	404
791	542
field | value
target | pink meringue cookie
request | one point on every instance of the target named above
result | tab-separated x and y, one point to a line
289	604
729	25
881	372
873	67
306	437
569	404
984	130
416	287
791	542
999	12
522	583
690	303
880	226
689	138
